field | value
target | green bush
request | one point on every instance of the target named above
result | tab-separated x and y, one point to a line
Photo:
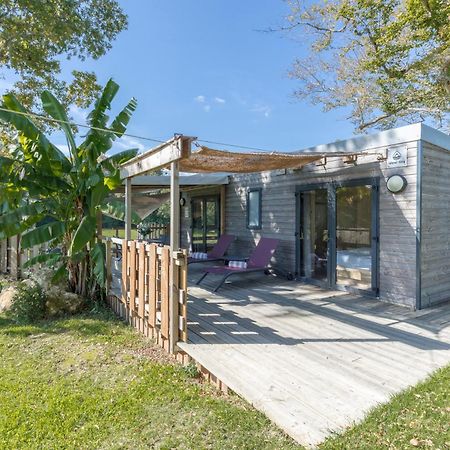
191	370
28	304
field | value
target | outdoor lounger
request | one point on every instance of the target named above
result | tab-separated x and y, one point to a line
258	261
217	253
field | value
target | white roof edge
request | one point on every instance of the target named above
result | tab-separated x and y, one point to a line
435	137
394	136
185	180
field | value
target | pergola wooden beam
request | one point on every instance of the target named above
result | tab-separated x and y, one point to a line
157	157
168	153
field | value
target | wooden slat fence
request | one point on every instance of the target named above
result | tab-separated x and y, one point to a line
151	278
13	258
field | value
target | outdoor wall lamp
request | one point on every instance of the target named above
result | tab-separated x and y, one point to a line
396	184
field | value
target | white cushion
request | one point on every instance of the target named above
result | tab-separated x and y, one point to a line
199	255
238	264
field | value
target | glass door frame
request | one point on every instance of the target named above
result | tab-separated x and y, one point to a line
205	199
299	232
331	188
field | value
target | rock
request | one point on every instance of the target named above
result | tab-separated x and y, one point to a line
60	302
6	297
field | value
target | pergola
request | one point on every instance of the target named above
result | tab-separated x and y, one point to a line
177	155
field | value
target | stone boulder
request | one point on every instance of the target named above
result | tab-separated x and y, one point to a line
60	302
6	297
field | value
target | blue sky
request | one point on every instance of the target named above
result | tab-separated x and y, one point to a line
202	68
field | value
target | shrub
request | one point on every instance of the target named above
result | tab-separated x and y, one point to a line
191	370
28	304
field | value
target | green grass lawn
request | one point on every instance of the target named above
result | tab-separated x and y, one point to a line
92	382
109	232
418	417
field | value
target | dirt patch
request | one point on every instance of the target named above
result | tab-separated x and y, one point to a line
155	354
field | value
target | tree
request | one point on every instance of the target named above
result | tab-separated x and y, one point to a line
387	60
50	197
36	34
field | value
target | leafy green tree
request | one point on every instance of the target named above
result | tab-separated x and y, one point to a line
35	35
50	197
386	60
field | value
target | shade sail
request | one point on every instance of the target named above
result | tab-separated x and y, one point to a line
209	160
145	204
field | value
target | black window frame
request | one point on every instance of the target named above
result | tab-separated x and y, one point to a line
259	225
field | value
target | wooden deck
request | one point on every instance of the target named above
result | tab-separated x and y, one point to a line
313	360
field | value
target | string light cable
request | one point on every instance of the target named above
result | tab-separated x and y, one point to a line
144	138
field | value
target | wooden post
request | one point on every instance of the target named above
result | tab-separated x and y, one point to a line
183	291
14	256
132	266
108	263
174	246
3	255
174	207
152	280
128	209
125	263
141	281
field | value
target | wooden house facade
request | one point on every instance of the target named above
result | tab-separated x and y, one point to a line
376	222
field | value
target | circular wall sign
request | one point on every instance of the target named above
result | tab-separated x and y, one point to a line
396	184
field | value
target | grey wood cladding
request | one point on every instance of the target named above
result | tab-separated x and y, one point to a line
435	248
398	220
397	216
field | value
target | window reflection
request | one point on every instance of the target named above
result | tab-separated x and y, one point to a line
353	236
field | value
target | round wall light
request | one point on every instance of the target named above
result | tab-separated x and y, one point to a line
182	201
396	184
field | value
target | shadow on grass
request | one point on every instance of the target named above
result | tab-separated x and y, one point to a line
87	323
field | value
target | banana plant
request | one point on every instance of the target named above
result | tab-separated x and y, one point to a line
50	197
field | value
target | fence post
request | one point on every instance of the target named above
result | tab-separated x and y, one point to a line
124	272
141	281
108	263
3	256
132	265
153	285
14	257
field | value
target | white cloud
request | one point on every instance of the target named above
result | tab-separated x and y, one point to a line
200	99
219	100
265	110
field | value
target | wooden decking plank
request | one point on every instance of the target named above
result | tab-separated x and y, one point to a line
290	331
328	380
388	332
302	363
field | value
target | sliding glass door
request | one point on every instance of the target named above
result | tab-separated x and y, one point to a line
314	234
354	236
337	234
205	213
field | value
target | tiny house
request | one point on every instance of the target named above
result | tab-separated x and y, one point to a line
374	220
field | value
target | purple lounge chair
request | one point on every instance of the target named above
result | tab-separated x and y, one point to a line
218	251
258	261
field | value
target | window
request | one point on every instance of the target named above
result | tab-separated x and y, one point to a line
254	209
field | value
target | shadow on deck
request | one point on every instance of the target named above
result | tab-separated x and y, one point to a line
313	360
